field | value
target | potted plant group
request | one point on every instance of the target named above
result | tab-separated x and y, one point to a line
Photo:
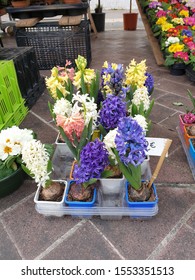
130	19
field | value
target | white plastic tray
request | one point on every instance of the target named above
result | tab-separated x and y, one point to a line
107	206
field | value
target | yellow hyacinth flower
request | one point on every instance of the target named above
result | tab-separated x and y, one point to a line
135	73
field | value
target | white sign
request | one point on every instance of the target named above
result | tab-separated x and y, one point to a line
156	146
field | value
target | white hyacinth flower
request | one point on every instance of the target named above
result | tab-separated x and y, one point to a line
62	107
109	141
141	120
35	157
141	95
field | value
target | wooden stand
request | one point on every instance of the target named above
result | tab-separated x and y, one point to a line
153	41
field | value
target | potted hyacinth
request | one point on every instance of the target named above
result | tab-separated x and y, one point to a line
81	191
36	162
130	152
188	118
12	141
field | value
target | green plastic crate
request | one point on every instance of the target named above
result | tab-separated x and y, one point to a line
12	108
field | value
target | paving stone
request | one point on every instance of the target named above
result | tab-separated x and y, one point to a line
136	239
32	232
86	243
7	249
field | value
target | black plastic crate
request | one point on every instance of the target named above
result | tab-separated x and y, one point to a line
27	70
54	44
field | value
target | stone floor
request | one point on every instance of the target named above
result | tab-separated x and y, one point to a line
26	234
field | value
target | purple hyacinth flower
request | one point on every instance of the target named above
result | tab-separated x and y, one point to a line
130	142
113	108
93	160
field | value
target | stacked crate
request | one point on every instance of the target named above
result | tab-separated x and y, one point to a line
54	43
30	82
12	105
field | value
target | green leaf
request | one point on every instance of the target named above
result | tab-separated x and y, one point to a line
59	93
90	182
83	85
147	113
102	130
51	110
68	142
107	174
50	149
27	171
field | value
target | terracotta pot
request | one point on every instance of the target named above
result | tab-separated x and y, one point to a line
130	21
72	1
21	3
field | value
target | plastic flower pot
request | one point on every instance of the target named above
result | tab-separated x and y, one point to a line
192	150
79	204
11	183
182	124
187	137
177	69
130	21
142	209
111	185
50	208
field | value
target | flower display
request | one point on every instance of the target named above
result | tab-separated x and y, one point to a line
174	23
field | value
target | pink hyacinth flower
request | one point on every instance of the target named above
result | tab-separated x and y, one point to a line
72	124
189	118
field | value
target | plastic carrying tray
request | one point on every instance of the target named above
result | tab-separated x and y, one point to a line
186	150
107	206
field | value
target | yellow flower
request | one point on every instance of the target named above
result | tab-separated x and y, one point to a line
161	20
178	21
184	13
114	66
193	27
135	73
176	48
105	65
166	26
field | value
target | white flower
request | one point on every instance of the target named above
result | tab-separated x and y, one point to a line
87	106
109	141
36	158
141	95
62	107
141	120
12	140
171	40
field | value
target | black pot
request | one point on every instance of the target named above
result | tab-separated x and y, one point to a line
99	21
178	69
190	73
